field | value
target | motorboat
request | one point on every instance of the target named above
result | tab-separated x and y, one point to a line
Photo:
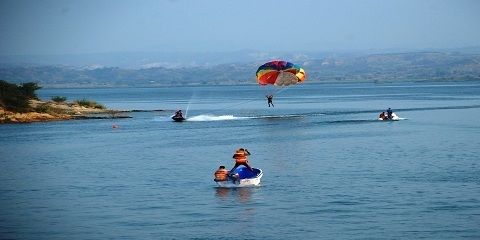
393	117
242	177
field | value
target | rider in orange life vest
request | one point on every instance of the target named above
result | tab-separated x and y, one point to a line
221	174
382	115
241	159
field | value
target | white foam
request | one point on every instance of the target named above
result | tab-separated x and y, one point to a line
205	118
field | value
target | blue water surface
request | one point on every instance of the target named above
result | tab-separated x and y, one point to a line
331	169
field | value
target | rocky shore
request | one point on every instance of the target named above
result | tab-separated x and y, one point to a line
56	111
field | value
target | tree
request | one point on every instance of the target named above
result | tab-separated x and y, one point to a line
28	89
15	98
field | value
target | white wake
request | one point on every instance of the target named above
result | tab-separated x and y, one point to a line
205	118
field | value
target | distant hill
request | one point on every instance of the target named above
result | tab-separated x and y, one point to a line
320	67
426	66
140	60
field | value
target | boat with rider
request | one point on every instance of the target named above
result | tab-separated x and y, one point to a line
242	177
178	117
392	117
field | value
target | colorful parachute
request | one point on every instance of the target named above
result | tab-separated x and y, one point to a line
280	73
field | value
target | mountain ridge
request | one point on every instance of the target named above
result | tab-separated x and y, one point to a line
326	67
139	60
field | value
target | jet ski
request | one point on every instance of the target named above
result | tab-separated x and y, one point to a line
242	177
178	118
393	117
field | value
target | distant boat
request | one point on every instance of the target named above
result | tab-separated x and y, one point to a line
394	117
242	177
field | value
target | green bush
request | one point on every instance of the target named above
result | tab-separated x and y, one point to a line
47	108
59	99
88	103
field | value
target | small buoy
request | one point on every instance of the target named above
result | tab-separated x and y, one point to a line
115	126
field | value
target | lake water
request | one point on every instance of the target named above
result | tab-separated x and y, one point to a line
331	170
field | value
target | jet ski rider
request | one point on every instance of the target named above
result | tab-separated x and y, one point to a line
221	174
178	113
389	112
240	157
382	116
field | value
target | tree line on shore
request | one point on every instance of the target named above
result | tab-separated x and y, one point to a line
15	97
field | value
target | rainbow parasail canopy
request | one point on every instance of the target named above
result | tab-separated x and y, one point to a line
280	73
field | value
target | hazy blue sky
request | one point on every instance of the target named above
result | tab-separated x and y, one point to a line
97	26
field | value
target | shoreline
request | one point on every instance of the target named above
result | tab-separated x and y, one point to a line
57	111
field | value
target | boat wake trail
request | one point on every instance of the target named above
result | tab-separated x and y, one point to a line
206	118
354	121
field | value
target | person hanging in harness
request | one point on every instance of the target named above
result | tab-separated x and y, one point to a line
240	157
270	98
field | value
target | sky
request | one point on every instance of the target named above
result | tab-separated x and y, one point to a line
39	27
